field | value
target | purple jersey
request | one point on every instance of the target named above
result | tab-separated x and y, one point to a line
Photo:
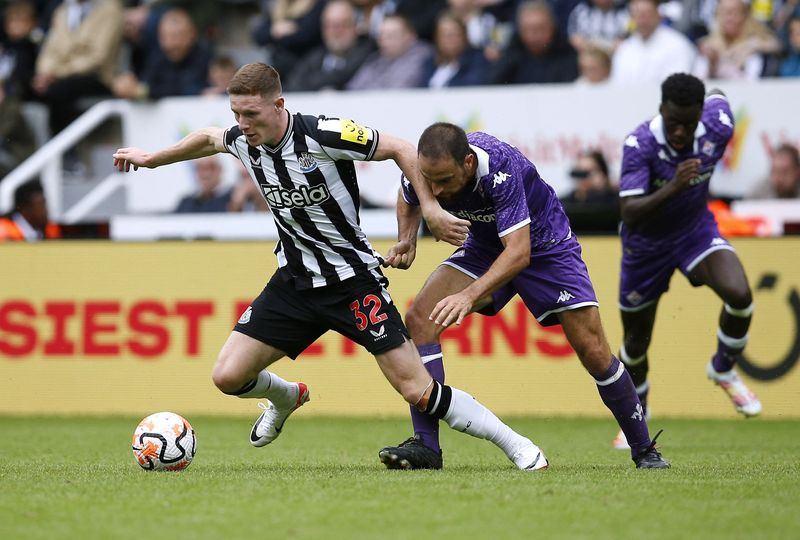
649	162
506	194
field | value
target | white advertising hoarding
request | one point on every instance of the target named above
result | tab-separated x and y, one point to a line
549	123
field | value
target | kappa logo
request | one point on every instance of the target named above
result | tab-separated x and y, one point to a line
632	141
245	318
564	296
381	333
724	119
638	414
469	423
499	178
307	162
719	242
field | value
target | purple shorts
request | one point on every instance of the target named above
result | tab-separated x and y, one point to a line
645	273
555	281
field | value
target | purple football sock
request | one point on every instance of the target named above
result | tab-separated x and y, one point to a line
727	353
619	395
426	427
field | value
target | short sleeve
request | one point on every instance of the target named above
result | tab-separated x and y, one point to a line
409	195
718	118
635	175
229	138
345	139
507	189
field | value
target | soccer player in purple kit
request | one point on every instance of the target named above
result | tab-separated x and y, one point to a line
666	166
519	242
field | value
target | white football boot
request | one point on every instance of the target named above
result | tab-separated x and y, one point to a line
743	399
269	425
530	458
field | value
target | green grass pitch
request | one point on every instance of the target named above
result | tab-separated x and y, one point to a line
75	477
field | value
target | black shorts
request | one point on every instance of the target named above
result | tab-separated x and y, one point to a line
359	308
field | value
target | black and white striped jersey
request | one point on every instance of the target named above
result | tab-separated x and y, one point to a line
309	182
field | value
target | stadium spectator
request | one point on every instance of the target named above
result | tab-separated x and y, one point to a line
696	18
736	48
790	66
20	48
141	22
597	23
593	205
210	195
653	51
16	137
78	58
538	53
519	243
666	225
783	181
594	66
221	70
329	276
421	15
178	68
455	62
399	61
29	220
342	53
484	32
246	196
289	29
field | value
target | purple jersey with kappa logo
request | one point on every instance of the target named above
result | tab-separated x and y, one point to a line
649	162
506	194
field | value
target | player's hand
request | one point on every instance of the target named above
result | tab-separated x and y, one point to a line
452	309
125	158
400	255
447	227
686	172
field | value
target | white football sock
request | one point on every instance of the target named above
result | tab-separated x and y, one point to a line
468	415
268	385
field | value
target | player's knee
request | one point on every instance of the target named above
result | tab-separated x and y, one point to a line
421	329
226	379
740	298
594	355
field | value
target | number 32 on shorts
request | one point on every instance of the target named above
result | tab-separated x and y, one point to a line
372	304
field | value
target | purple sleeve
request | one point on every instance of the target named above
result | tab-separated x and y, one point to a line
506	188
409	195
718	118
635	175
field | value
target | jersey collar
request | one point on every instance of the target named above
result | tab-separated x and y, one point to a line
657	129
483	164
284	140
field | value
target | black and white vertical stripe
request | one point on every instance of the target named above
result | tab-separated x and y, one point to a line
321	241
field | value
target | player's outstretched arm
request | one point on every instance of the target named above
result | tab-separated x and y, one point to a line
200	143
442	224
402	254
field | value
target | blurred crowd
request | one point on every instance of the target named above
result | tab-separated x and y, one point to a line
67	54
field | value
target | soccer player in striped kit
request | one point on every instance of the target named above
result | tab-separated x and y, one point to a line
329	276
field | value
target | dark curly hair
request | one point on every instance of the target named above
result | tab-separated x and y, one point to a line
683	90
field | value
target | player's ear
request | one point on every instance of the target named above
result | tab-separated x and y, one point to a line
279	102
470	161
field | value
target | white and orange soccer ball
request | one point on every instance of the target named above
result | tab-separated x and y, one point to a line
164	441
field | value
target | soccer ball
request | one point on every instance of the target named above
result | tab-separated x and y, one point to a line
164	441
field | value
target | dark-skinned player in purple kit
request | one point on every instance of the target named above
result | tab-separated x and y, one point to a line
667	163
